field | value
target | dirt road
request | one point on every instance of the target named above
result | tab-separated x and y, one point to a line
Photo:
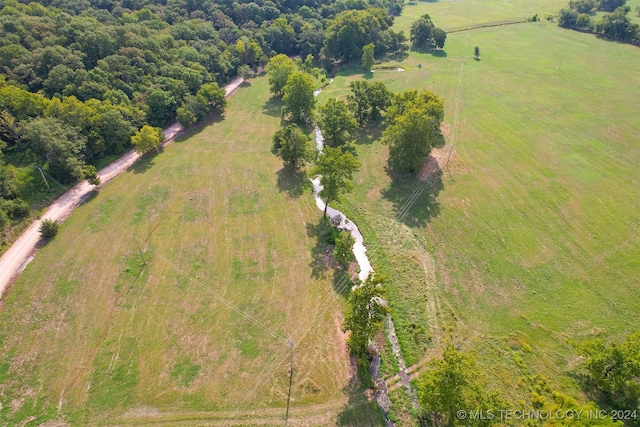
14	260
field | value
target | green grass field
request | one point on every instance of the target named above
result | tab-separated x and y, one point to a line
199	334
532	243
451	15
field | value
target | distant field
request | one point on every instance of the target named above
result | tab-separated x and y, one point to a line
535	243
458	14
91	337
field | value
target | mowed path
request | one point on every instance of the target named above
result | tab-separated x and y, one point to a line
15	258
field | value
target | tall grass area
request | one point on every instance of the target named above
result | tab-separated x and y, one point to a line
171	294
532	244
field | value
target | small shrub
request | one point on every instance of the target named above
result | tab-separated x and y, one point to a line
48	229
332	234
342	252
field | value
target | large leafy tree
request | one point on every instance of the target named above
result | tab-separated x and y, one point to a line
279	68
367	56
213	98
299	101
368	100
414	123
336	122
162	107
293	146
615	369
421	33
336	169
452	383
146	139
365	314
439	37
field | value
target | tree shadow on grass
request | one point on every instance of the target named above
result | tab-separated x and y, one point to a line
415	202
359	410
144	163
198	127
321	251
89	196
293	182
438	53
273	107
368	134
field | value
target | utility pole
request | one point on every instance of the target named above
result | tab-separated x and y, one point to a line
286	417
45	179
560	66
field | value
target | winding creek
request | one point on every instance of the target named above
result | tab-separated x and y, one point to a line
360	252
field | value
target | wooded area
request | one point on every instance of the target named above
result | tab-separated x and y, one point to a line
81	78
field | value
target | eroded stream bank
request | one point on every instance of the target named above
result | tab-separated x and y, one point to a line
341	221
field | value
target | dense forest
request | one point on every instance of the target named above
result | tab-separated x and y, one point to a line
81	77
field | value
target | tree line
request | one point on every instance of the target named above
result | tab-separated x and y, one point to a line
615	24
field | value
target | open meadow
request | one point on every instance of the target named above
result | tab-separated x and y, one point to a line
170	296
529	241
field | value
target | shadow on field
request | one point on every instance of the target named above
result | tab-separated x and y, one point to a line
323	263
321	251
414	201
368	134
144	163
359	411
272	107
197	128
293	182
438	53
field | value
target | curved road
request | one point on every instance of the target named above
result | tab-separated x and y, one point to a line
14	260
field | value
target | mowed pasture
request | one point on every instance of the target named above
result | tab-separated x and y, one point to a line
169	297
453	15
532	243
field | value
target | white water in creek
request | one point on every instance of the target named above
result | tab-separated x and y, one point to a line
360	252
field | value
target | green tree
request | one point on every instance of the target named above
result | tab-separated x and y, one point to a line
162	107
279	68
213	98
615	369
368	100
343	249
450	384
336	169
414	123
48	229
439	37
146	139
366	311
421	33
245	72
298	97
351	30
91	175
336	122
185	116
367	56
293	146
476	52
